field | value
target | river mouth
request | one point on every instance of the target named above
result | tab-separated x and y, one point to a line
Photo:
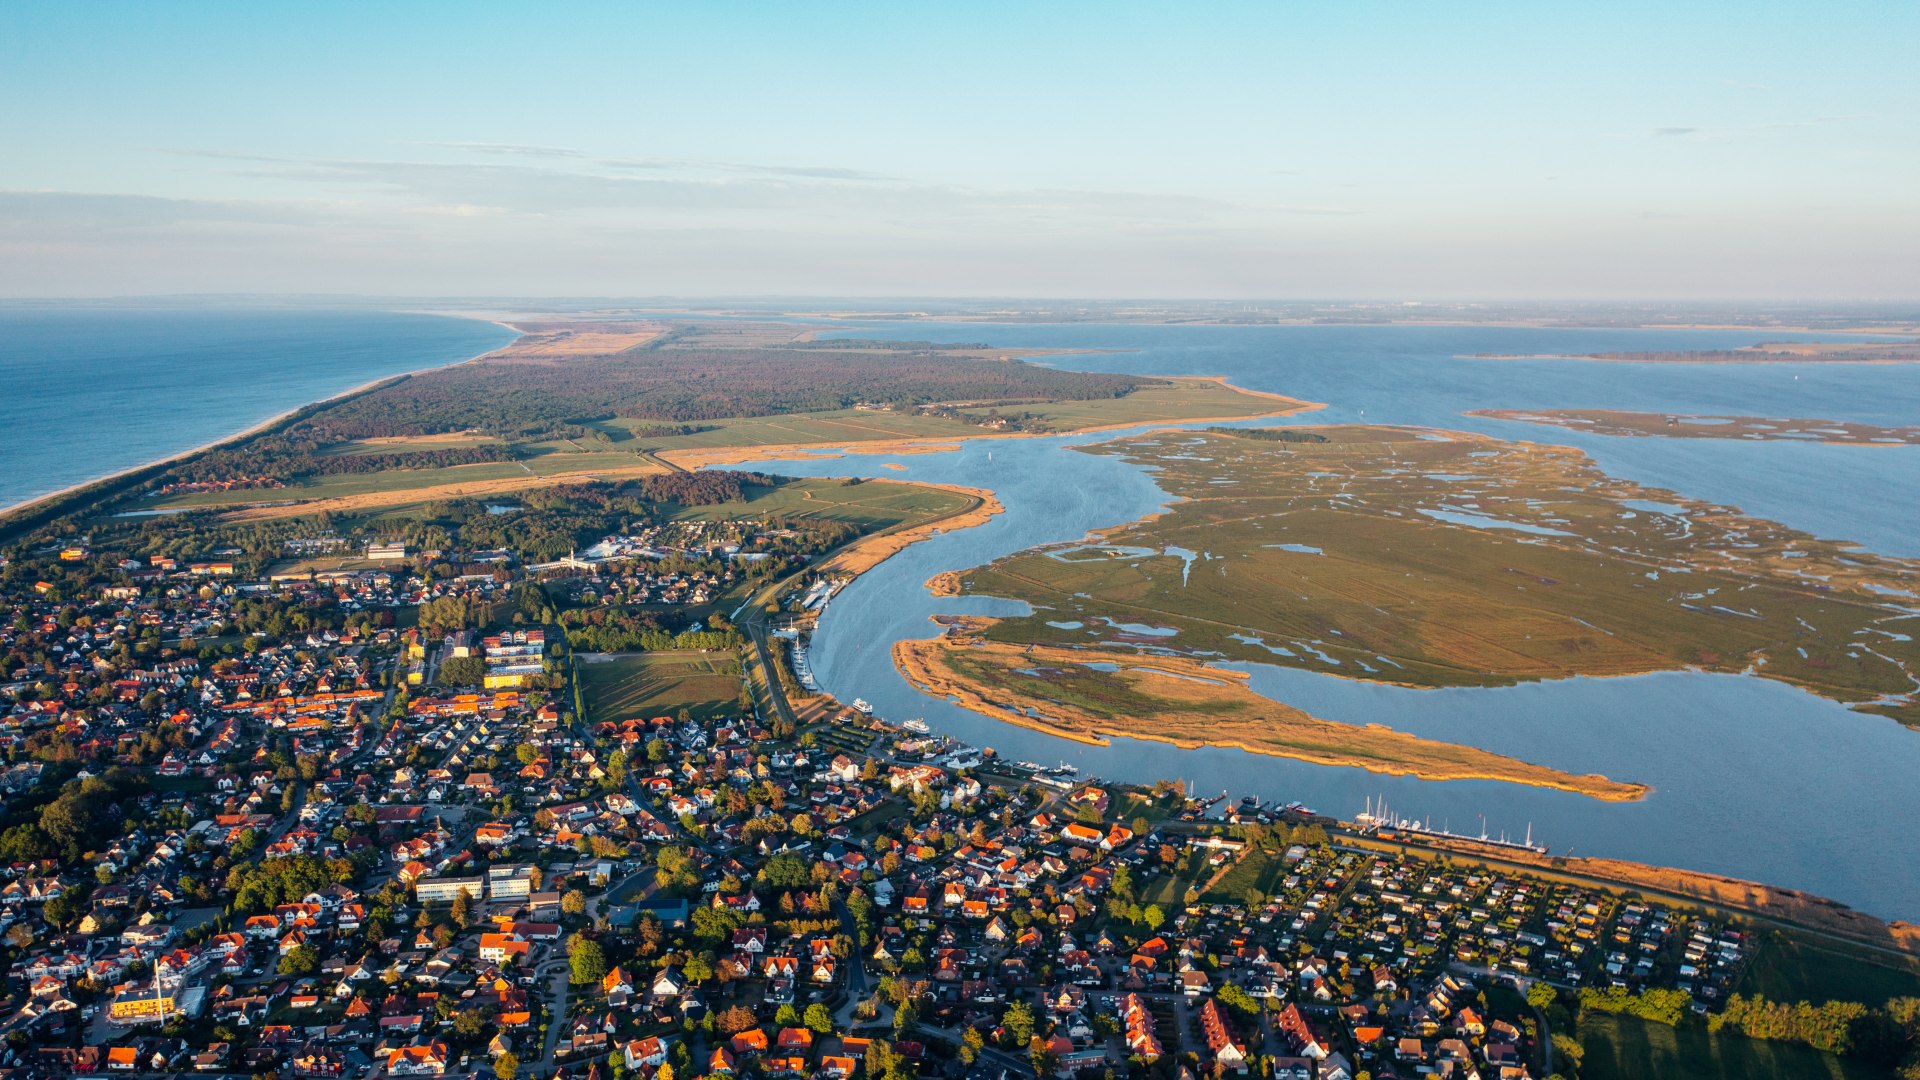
1751	778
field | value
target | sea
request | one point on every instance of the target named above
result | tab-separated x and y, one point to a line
1751	777
85	392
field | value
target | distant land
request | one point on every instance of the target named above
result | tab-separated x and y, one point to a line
1694	426
1772	352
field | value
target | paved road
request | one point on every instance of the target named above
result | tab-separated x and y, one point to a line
558	983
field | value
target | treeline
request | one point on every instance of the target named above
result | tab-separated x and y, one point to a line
1659	1005
669	431
1286	435
287	461
622	630
691	385
1886	1035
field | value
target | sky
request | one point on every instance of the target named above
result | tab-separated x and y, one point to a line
1426	150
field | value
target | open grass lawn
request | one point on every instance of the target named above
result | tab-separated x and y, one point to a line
1625	1048
842	425
1259	869
873	504
1789	968
659	684
1185	399
1169	889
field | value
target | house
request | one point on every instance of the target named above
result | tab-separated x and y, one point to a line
503	948
1226	1047
428	1060
644	1053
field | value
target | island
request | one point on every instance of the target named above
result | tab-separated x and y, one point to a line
1694	426
1768	352
1430	558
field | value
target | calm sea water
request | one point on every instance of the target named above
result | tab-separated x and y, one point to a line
1751	777
88	393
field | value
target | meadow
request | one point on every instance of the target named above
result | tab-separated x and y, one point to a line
1626	1048
619	686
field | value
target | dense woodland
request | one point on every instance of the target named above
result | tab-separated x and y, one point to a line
678	385
297	453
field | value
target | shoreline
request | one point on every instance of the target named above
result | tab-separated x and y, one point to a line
251	430
919	662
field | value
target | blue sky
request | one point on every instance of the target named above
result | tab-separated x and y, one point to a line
1417	150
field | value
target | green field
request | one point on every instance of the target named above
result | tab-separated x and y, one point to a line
1169	890
1172	401
659	684
1625	1048
872	504
1259	870
1788	968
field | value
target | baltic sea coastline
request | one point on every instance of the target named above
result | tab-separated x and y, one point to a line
251	429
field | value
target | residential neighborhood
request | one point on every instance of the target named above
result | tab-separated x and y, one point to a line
378	823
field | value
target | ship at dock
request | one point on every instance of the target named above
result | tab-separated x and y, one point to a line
1378	819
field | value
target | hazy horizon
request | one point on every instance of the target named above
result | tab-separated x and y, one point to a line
1636	153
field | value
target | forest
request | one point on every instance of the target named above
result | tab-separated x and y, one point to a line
297	454
510	397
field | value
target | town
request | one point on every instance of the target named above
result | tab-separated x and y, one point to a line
389	819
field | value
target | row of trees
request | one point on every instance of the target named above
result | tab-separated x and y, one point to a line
1887	1035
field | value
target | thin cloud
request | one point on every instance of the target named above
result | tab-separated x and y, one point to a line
511	149
1674	132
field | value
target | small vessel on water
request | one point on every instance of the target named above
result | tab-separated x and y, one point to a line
860	706
917	726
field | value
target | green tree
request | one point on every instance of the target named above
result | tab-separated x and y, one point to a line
506	1066
1019	1023
1153	916
818	1019
301	960
587	960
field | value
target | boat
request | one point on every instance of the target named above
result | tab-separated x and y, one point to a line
1376	818
916	725
860	706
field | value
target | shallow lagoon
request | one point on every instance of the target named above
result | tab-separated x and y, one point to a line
1752	778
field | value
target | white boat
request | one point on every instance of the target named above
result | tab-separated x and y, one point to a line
860	706
917	726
